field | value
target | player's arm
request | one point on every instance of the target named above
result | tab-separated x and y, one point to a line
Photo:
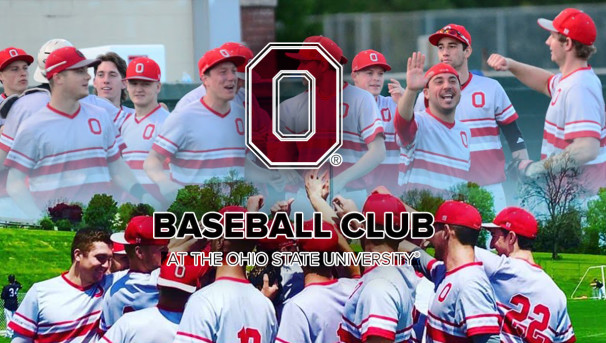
514	138
415	82
579	152
123	176
533	77
369	161
154	168
17	188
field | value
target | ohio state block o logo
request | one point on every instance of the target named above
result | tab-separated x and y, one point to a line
299	130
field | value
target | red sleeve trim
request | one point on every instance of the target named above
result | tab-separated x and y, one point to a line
106	339
372	137
278	339
582	134
430	264
483	330
160	150
377	332
405	129
510	119
21	330
200	338
16	165
549	84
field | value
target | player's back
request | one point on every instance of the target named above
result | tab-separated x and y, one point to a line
228	310
314	314
191	96
527	298
150	325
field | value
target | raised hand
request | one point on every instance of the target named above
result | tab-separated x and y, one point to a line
395	90
498	62
415	77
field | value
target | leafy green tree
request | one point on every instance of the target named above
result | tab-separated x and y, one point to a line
422	200
596	223
128	210
101	211
46	224
481	199
64	225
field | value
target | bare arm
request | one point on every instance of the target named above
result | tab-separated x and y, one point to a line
415	81
533	77
581	151
18	190
154	168
369	161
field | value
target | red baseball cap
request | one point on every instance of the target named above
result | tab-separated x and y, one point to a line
143	68
313	55
66	58
185	277
572	23
275	243
384	203
12	54
119	242
459	213
441	68
458	32
515	219
319	244
369	58
218	55
239	49
140	230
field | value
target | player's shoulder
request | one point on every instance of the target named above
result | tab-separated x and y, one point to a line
236	108
484	81
351	92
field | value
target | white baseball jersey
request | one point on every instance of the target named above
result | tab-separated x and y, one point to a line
381	305
192	96
528	300
228	310
361	125
483	107
105	104
434	154
56	310
203	143
133	292
139	134
386	174
464	305
123	111
74	169
313	315
150	325
576	110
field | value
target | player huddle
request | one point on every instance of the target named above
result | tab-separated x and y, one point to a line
60	142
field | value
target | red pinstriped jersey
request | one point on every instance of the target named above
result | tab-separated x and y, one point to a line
576	110
381	305
313	315
70	165
532	306
139	134
228	310
56	310
434	154
202	143
464	305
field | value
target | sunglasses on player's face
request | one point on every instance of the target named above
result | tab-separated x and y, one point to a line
453	32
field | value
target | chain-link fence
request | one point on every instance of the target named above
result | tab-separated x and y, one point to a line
511	31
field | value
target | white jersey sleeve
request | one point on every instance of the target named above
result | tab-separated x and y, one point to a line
294	326
505	113
492	262
171	136
25	319
193	95
478	308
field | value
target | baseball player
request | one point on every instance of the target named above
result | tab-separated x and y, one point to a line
14	63
230	309
137	290
368	69
531	304
10	298
119	259
158	324
434	143
109	83
67	308
140	129
60	168
575	126
196	156
485	109
381	307
463	308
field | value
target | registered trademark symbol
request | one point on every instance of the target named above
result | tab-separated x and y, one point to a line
336	160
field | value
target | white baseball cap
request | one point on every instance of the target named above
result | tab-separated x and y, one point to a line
45	50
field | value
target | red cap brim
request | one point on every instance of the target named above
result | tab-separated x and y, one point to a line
26	58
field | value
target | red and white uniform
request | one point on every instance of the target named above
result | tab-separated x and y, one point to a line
381	305
576	110
123	111
313	315
228	310
527	299
386	174
56	310
112	111
210	144
192	96
74	169
139	134
434	154
133	292
483	107
150	325
464	305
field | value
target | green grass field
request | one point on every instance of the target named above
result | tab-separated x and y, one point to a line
34	255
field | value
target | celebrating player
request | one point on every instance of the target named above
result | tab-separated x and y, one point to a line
521	286
230	309
14	63
140	129
137	290
575	122
196	156
109	83
434	143
485	108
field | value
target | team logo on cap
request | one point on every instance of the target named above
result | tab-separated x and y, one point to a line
444	217
13	52
508	225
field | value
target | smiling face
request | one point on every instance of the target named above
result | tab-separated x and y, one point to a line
93	265
108	82
370	79
443	92
221	81
450	51
143	93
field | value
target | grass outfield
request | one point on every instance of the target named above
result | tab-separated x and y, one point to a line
34	255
